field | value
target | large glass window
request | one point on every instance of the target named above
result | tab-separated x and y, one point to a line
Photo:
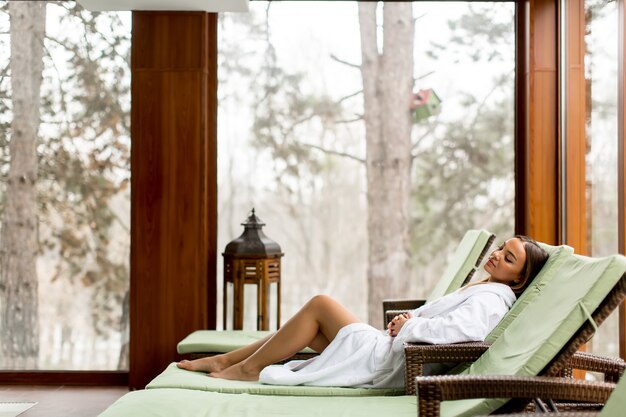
64	188
601	46
305	127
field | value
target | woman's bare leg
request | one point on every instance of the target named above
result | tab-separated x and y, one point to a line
222	361
315	325
219	362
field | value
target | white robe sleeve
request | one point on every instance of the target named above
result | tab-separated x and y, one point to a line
470	322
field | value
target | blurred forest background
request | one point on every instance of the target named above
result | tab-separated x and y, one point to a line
320	130
311	165
69	306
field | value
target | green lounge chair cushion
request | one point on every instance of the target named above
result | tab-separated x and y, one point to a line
221	340
174	377
465	259
541	330
616	403
190	403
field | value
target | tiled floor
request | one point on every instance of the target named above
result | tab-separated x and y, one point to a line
63	401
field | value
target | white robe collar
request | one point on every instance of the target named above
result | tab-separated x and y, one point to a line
457	297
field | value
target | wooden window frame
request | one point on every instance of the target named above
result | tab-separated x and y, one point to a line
574	215
537	202
78	378
621	157
573	136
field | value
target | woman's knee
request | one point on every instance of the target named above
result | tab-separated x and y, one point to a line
321	300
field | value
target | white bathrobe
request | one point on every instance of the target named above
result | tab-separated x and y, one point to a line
362	356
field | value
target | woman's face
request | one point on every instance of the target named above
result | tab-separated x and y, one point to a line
506	263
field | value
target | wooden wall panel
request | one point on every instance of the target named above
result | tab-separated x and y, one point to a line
173	202
537	140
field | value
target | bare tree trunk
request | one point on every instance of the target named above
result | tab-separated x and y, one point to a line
122	361
387	85
19	322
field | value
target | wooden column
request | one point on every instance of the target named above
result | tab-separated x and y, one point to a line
537	168
621	159
574	118
174	198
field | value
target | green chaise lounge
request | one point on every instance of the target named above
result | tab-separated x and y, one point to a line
173	377
419	356
541	340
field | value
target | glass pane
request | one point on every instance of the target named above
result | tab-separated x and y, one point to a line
295	142
64	299
601	159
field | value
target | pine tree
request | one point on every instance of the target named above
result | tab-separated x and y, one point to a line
82	166
19	321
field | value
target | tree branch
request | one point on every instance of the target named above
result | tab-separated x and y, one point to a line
62	99
424	75
419	17
419	140
341	61
350	96
120	222
484	101
58	42
52	122
4	72
332	152
356	119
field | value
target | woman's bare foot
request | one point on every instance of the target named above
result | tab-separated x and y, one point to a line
209	364
237	372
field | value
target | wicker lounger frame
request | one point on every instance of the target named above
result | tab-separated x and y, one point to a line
433	390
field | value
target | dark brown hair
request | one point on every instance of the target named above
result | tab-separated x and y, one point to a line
536	258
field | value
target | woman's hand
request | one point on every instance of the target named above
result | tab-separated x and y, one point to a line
394	326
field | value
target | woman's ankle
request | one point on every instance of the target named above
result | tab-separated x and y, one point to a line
250	368
223	360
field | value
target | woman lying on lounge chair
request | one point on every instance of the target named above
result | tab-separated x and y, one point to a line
357	354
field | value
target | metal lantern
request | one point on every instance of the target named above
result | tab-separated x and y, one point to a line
252	258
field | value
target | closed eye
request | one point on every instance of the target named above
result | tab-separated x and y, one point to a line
510	257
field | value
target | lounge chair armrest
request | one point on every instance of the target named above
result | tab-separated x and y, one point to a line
404	304
390	314
434	389
416	355
398	306
454	352
612	368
